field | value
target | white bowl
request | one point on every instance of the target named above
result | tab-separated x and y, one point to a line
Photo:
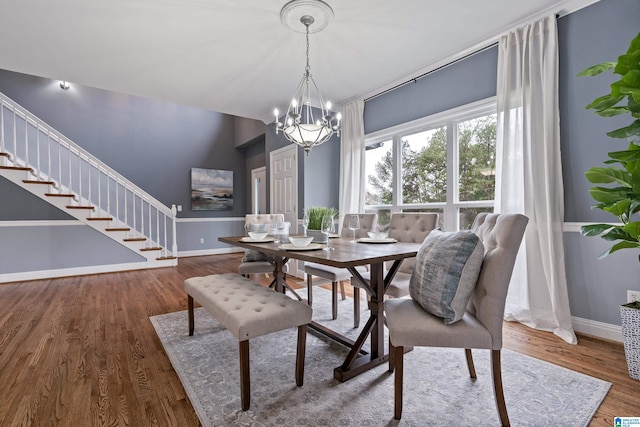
377	235
300	241
257	235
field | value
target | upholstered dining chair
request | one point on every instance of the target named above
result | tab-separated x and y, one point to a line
339	275
481	324
411	227
254	262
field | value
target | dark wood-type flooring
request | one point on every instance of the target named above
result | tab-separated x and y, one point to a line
81	351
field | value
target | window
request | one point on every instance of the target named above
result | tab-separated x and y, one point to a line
444	163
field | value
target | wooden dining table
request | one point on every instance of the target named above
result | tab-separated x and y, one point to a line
348	255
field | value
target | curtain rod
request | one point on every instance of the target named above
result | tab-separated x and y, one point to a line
415	79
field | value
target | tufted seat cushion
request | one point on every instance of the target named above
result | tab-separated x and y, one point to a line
246	308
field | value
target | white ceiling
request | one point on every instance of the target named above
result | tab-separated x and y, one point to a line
236	57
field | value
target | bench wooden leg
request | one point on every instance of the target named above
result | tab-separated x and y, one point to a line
300	353
190	310
245	380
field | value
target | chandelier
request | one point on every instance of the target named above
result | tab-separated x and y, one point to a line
300	125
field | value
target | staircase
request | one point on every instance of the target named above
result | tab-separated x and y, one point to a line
39	159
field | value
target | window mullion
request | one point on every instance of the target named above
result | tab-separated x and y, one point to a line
396	197
450	211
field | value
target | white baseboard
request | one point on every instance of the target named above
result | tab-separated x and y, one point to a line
203	252
77	271
597	329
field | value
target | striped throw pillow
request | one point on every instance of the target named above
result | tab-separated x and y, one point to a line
445	273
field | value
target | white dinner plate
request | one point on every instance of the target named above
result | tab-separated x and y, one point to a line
265	240
309	247
368	240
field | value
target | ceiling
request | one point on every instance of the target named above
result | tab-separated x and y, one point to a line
236	57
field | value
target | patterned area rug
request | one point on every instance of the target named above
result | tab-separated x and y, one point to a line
437	387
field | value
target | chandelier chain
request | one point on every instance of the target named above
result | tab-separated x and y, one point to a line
307	68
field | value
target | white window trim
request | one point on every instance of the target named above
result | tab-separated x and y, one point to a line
448	118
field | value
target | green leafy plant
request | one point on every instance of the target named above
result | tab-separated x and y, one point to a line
621	197
316	213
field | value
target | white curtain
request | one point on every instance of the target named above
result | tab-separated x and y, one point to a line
352	159
529	175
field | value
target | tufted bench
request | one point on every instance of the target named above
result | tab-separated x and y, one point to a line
248	310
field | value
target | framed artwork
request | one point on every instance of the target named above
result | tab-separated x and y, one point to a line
211	189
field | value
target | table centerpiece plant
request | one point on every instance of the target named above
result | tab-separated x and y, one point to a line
620	194
315	215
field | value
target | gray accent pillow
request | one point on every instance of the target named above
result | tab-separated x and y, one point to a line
445	273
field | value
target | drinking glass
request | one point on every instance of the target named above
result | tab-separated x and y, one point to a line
305	222
354	224
277	229
327	228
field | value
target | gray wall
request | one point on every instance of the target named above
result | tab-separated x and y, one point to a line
466	81
589	36
246	130
322	175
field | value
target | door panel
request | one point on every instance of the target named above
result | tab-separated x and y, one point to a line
284	184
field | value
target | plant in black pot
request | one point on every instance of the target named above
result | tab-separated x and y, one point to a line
617	185
314	215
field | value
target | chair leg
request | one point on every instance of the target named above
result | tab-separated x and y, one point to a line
300	353
472	368
496	372
392	356
190	310
398	356
344	296
309	291
245	380
334	300
356	307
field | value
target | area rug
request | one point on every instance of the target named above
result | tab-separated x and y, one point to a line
437	388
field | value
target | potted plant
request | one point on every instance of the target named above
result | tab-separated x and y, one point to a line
315	215
621	195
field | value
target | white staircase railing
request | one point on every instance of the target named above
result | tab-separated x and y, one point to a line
28	142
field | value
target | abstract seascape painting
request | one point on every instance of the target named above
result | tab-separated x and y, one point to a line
211	189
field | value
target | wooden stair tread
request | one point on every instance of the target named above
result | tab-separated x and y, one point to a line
80	207
100	219
135	239
162	258
35	181
3	154
151	249
58	195
16	168
118	229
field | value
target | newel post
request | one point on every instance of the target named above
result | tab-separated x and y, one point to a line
174	247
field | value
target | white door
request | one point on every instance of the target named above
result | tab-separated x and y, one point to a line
259	190
284	184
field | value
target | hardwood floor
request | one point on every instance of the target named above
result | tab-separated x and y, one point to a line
81	351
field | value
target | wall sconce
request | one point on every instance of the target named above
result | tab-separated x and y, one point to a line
64	85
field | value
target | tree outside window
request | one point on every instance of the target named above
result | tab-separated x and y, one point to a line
453	153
